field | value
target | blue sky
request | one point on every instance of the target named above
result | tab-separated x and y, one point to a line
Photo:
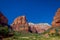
36	11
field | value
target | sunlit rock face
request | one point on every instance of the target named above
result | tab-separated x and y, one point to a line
3	19
56	19
20	24
38	28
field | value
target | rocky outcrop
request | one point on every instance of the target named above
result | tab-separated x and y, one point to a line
38	28
3	19
20	24
56	20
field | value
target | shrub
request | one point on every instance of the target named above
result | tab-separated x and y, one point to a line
3	30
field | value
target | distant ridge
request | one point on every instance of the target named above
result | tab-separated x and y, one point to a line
39	24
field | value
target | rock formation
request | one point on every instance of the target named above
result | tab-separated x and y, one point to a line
20	24
56	20
38	28
3	19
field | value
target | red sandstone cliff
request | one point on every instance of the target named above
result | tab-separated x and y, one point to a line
56	20
20	24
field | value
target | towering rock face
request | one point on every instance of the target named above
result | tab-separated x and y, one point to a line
20	24
38	28
56	20
3	19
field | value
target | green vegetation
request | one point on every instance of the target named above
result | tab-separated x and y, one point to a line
47	35
31	36
3	30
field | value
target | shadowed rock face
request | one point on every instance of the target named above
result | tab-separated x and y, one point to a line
3	19
4	27
20	24
56	20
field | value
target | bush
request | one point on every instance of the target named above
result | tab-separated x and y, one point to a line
4	30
